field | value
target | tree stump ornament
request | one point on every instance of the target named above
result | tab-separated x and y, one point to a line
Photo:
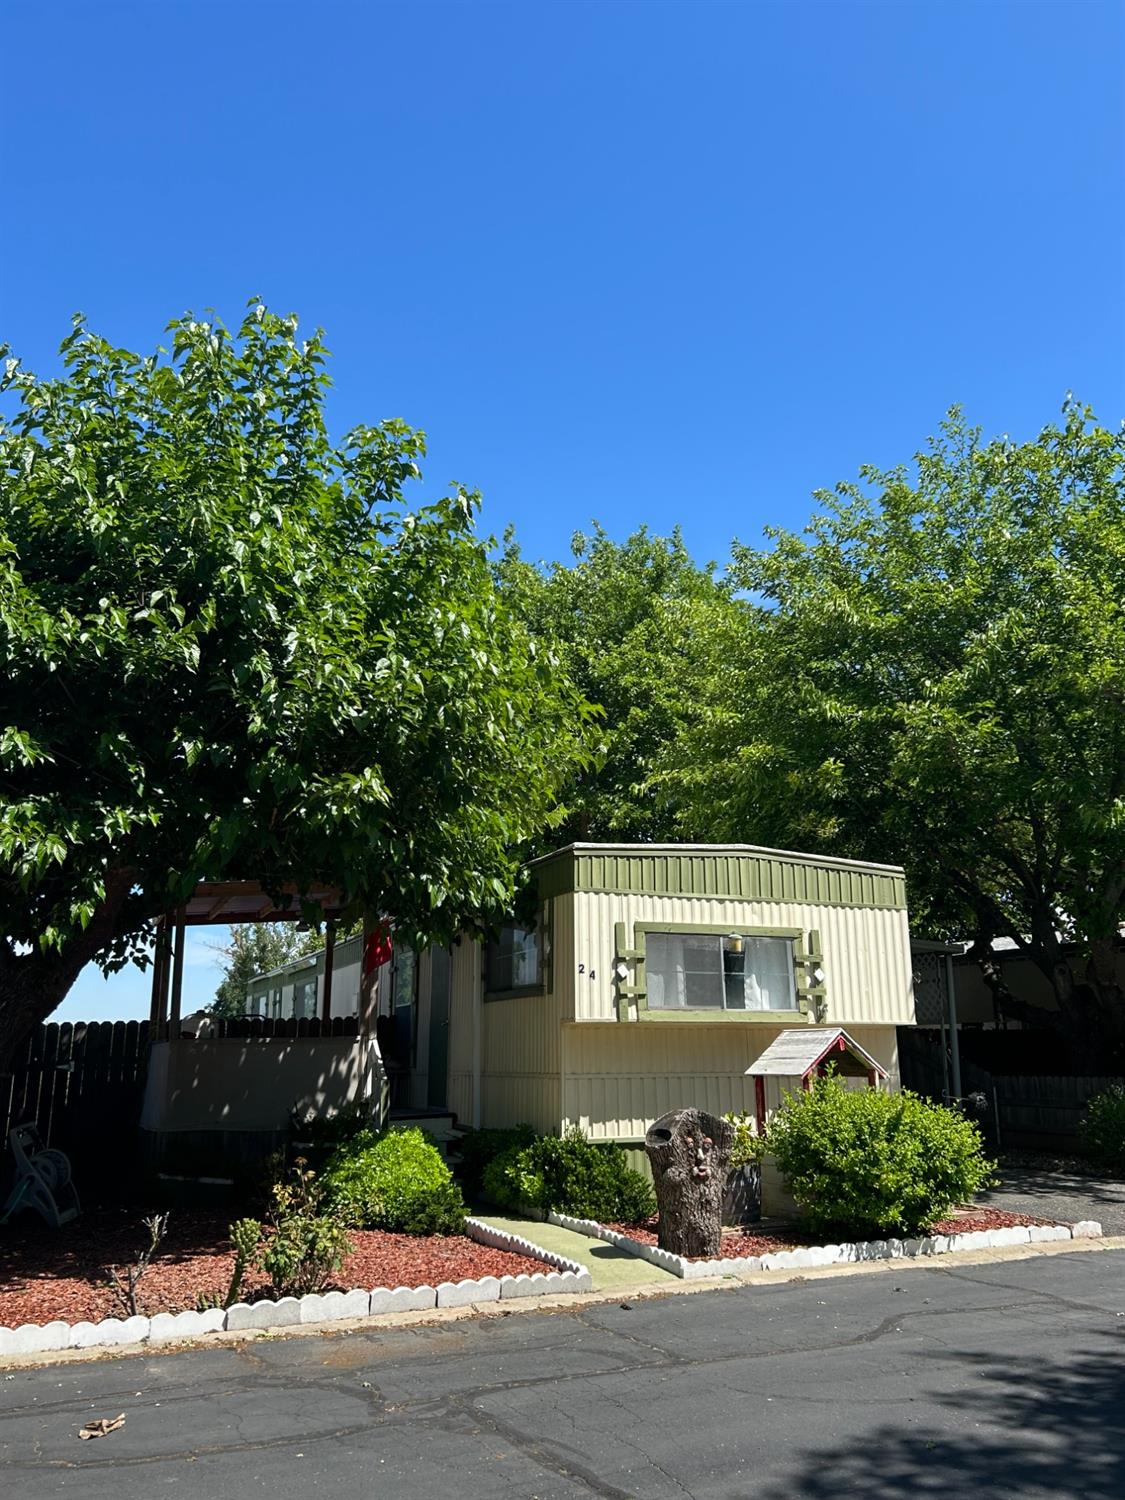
689	1151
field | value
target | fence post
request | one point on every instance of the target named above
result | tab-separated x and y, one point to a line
953	1037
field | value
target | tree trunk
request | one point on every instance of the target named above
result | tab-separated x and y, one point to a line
34	984
690	1155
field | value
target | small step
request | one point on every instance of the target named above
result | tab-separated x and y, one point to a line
439	1124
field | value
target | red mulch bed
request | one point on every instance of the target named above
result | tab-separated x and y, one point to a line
60	1273
769	1239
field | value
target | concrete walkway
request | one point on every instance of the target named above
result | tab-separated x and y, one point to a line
611	1269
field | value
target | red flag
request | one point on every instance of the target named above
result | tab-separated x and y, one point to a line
378	948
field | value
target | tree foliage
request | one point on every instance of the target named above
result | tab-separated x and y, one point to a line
632	623
256	948
228	650
934	674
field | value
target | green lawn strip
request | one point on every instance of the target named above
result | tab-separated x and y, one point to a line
610	1268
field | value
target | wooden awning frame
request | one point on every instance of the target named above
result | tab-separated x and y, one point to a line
228	903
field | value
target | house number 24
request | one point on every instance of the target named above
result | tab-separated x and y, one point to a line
582	970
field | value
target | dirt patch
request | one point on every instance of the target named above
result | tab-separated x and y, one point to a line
60	1273
769	1239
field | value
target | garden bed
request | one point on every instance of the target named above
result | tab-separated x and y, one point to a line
48	1274
783	1248
769	1239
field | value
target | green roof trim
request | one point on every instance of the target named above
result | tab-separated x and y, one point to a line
725	872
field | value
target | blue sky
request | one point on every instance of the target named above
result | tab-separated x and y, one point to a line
634	262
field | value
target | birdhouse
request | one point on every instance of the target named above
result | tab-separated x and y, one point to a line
801	1054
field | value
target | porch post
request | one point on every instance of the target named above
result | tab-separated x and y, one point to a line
165	952
329	955
159	959
372	1060
177	976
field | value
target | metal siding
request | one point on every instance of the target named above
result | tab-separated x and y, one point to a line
617	1080
463	980
866	951
728	874
520	1052
561	968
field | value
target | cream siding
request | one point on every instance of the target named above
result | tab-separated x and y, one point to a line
866	951
465	984
617	1079
565	1057
521	1062
562	969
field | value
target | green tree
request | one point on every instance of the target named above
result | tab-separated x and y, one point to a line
228	650
632	623
256	948
935	674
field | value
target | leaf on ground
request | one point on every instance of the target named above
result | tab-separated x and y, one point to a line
101	1427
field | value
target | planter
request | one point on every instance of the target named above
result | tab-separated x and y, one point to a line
742	1198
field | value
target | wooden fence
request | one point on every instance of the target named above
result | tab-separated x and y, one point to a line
82	1083
265	1027
1045	1110
1034	1110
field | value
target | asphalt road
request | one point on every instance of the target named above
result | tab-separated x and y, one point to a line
1063	1195
1000	1380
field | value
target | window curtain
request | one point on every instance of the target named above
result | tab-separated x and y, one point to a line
701	971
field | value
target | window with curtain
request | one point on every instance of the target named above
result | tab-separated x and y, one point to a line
512	959
714	971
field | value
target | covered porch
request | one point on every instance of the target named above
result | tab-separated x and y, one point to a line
221	1095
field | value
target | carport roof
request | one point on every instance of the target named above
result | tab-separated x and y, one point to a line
222	902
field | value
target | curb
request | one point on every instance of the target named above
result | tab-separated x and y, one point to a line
849	1253
317	1307
652	1291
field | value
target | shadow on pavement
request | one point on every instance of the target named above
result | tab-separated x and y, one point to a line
1028	1182
1027	1429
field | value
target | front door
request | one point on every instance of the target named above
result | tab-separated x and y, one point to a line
439	1028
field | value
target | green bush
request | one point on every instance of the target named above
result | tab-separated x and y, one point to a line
328	1131
397	1181
479	1147
305	1243
748	1144
1103	1128
570	1175
872	1163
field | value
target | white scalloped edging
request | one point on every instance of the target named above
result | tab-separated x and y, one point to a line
830	1255
318	1307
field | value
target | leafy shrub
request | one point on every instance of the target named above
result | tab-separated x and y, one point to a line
305	1243
331	1130
748	1144
479	1147
874	1163
396	1181
1103	1128
570	1175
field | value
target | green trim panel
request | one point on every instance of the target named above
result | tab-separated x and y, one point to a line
740	1017
742	877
